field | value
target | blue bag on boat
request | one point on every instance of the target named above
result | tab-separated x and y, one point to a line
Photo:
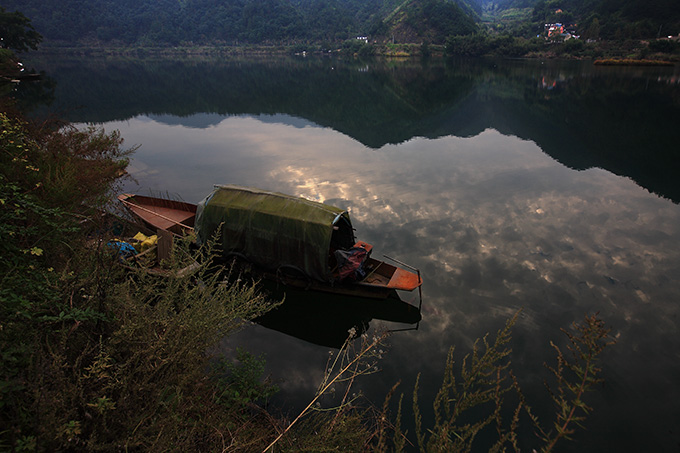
125	249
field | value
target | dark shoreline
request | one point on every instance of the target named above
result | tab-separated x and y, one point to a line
406	51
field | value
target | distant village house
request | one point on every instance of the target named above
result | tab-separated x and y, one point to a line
560	31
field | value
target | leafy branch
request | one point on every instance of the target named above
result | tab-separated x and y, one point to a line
484	380
575	378
473	400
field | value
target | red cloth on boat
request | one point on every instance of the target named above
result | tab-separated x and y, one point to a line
350	263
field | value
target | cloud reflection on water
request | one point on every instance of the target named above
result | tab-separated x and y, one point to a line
495	225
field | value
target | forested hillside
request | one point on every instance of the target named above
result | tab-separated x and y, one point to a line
329	22
172	22
432	21
614	19
599	19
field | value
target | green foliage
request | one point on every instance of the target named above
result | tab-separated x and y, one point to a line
356	46
35	261
232	22
484	381
479	406
571	47
366	50
238	22
9	64
664	46
168	23
33	232
416	21
158	354
17	32
441	18
502	45
624	19
473	45
425	51
242	383
345	431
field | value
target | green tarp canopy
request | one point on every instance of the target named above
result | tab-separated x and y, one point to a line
274	230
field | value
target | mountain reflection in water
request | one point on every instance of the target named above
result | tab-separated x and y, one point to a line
511	185
620	119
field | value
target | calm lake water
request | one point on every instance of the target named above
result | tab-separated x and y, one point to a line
543	186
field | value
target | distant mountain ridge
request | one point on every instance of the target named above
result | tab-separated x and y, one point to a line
290	22
586	119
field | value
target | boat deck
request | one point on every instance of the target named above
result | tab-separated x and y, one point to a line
163	217
175	216
380	273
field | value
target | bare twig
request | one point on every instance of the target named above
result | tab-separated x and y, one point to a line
326	384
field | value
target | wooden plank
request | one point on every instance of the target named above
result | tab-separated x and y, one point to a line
164	245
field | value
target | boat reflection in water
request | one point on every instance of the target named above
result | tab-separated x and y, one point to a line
325	319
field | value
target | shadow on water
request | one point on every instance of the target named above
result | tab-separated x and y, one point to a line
325	319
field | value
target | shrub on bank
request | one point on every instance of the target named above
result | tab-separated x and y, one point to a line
95	358
501	45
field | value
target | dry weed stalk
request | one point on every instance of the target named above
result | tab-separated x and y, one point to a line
485	379
574	378
343	367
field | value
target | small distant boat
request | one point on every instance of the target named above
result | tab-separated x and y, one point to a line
293	240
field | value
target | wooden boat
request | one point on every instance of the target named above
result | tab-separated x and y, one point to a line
160	213
295	241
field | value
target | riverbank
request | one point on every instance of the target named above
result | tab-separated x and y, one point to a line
633	52
631	62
